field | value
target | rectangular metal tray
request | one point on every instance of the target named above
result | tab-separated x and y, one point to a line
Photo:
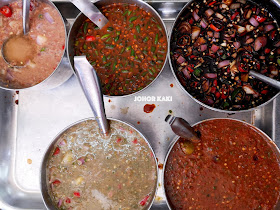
27	128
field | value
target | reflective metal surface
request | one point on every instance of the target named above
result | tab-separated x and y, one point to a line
90	84
28	128
25	15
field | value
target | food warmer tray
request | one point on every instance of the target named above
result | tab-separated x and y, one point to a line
30	119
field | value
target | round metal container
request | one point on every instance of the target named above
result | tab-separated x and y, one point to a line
270	142
43	179
62	72
81	18
273	6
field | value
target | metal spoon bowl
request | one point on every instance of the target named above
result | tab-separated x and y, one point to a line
25	25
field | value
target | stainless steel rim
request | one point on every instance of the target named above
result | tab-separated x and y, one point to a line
176	138
140	3
181	86
43	188
64	51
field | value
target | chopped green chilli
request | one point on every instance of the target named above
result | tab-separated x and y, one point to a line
128	53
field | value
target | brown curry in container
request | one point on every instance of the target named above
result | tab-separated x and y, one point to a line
128	53
235	166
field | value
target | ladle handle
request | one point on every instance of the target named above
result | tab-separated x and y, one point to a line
90	84
25	15
91	11
267	80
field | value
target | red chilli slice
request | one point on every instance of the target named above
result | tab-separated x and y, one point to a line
68	200
144	201
77	194
56	181
135	141
56	151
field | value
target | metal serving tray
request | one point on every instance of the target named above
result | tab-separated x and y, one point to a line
29	120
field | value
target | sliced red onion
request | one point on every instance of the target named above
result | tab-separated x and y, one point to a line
195	16
235	6
249	13
216	35
268	28
9	75
236	44
59	203
210	75
203	23
181	59
209	12
62	143
227	2
254	22
218	15
273	70
249	41
203	47
41	40
260	42
249	28
186	73
223	63
185	27
206	86
209	101
242	1
240	29
215	48
81	161
249	90
277	44
195	32
210	34
49	18
223	6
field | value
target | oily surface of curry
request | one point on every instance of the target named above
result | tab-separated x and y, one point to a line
233	167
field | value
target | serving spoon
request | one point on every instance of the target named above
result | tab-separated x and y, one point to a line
91	11
25	25
90	84
267	80
182	128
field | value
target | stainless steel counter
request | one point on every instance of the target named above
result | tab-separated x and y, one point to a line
27	128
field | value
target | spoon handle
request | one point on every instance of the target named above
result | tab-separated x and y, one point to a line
91	11
90	84
182	128
25	15
268	80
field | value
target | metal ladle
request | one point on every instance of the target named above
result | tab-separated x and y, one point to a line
25	25
267	80
182	128
90	84
91	11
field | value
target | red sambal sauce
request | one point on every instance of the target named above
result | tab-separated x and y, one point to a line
128	53
233	167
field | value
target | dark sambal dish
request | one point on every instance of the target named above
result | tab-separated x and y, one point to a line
216	43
